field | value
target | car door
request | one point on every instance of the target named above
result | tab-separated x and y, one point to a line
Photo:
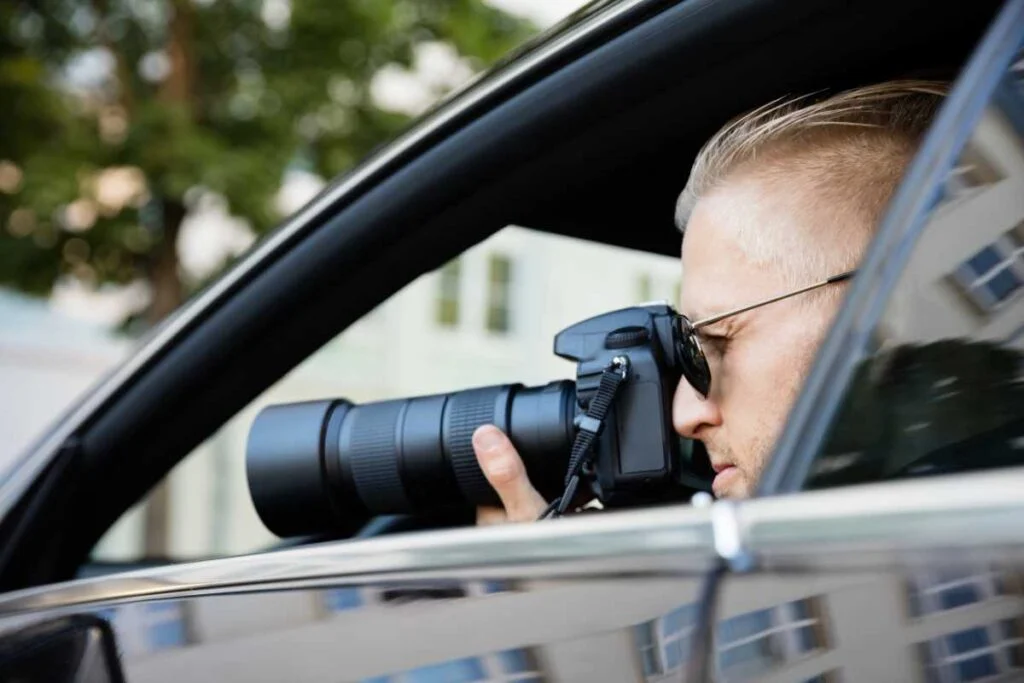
586	599
888	544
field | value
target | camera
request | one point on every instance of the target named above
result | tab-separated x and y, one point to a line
313	465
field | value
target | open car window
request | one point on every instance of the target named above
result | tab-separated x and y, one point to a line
487	317
939	388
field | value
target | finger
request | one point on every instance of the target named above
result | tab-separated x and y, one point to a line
504	470
488	516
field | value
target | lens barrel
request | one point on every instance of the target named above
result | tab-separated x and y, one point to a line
313	465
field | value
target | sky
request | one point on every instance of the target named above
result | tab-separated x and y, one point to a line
543	12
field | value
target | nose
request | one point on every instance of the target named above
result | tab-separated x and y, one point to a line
692	414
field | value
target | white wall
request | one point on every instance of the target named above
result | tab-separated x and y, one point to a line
47	361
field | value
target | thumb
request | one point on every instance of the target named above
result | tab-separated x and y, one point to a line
505	471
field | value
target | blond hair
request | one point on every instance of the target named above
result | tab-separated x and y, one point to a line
847	153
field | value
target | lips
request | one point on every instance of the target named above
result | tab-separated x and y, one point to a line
726	476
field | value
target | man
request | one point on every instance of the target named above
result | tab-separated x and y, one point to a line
783	197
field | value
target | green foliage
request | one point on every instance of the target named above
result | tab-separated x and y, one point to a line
213	94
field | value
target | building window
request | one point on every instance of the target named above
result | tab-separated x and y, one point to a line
447	311
643	288
972	172
976	653
755	643
499	294
509	666
664	643
940	591
164	625
342	599
518	666
825	677
994	274
453	671
651	289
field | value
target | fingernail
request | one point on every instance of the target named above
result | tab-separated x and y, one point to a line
489	439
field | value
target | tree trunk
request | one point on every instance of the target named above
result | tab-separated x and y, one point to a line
166	288
164	279
178	87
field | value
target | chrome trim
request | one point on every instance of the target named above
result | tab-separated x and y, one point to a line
958	514
842	529
730	535
20	476
672	540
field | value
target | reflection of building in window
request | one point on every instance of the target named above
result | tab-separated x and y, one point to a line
946	589
995	273
754	643
447	312
499	294
145	627
402	595
664	643
978	653
342	599
164	625
826	677
488	587
510	666
352	597
972	171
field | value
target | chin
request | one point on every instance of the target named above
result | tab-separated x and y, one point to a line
734	490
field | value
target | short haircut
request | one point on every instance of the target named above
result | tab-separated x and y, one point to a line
847	152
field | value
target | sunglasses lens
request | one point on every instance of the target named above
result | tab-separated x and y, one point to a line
691	358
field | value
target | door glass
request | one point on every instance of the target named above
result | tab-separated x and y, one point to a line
940	390
532	630
487	317
941	620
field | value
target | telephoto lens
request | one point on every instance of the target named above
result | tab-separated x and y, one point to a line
313	465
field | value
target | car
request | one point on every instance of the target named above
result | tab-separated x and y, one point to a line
886	540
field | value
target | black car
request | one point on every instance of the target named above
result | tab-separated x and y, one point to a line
886	542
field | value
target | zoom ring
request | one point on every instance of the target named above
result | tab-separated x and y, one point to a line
467	411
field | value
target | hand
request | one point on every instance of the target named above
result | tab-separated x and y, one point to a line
505	471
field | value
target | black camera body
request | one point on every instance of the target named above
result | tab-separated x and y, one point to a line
315	466
638	456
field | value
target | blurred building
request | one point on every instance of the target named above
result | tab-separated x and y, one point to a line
47	361
488	317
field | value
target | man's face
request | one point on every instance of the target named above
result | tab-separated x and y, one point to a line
758	359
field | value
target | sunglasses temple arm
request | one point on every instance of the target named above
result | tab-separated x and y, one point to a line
736	311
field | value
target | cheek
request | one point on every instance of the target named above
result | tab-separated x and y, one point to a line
760	380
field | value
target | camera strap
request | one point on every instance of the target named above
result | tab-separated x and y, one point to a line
590	427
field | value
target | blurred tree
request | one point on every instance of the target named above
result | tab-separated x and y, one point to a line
119	114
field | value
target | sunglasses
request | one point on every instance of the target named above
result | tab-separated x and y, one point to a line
689	354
